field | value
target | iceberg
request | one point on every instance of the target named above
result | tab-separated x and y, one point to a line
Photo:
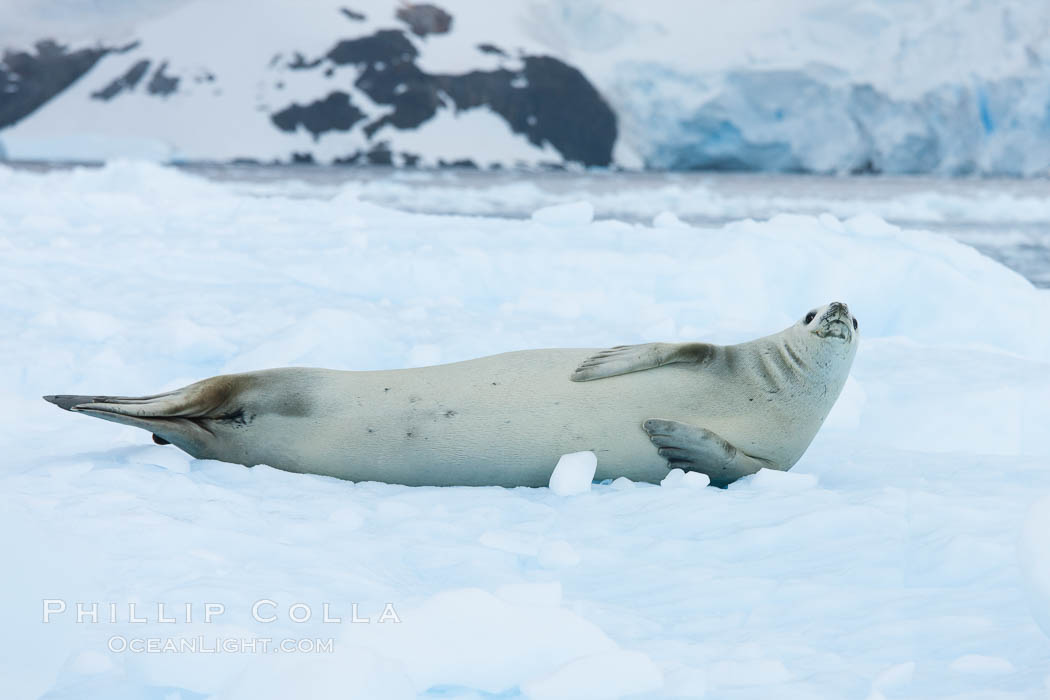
816	119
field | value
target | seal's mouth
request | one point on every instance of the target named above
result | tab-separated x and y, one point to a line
835	323
835	328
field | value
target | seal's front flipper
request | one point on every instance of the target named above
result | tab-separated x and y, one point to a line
698	450
624	359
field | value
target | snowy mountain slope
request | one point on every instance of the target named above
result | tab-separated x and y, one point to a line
811	85
312	81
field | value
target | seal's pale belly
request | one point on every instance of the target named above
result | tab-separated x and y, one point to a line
500	420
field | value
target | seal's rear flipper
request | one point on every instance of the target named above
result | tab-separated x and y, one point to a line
699	450
180	417
624	359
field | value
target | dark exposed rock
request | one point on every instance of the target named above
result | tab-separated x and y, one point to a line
128	81
424	18
299	62
549	101
352	159
334	113
388	46
390	77
303	158
28	80
380	155
351	14
461	164
162	84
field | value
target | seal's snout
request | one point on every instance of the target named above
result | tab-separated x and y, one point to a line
836	322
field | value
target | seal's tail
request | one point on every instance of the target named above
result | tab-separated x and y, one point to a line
144	406
180	417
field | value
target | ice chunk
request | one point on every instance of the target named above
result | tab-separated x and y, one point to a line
677	478
574	473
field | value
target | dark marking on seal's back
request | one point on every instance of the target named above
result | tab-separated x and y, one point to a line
237	417
295	405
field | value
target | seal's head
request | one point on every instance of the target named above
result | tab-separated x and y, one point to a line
829	336
832	322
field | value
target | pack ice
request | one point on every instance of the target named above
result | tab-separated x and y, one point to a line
902	557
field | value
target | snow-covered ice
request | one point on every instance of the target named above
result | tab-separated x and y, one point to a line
573	473
893	561
975	663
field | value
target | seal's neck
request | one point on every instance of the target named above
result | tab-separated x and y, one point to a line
795	357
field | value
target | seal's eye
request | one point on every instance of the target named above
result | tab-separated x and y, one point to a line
810	316
854	324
